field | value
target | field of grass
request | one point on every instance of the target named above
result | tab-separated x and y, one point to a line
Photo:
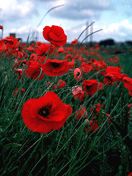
78	148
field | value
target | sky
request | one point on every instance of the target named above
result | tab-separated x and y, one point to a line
25	17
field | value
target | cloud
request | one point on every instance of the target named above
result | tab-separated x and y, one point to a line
82	10
120	31
12	10
23	16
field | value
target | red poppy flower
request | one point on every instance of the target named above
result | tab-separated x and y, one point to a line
69	57
45	114
3	46
61	50
93	125
77	74
61	83
97	108
55	35
78	93
113	69
55	67
129	105
114	59
71	64
112	74
35	57
91	86
74	42
34	70
30	48
98	64
86	67
130	174
128	84
82	112
42	48
11	42
18	54
82	60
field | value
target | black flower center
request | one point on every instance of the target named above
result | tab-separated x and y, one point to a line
9	42
88	88
55	65
109	79
44	111
78	73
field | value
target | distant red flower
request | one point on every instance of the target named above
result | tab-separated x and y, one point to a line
98	64
33	57
61	83
55	67
45	113
74	42
86	67
34	70
55	35
30	48
15	92
11	42
129	174
82	60
3	46
82	112
114	59
77	74
112	74
93	125
71	64
18	54
98	107
69	57
61	50
129	105
91	86
128	84
42	48
78	93
113	69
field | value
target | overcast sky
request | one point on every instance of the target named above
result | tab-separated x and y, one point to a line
113	16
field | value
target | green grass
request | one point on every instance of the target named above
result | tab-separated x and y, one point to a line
70	151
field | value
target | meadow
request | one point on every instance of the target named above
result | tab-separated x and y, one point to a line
65	110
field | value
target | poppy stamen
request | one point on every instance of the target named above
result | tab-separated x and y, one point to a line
78	73
55	65
45	111
88	88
